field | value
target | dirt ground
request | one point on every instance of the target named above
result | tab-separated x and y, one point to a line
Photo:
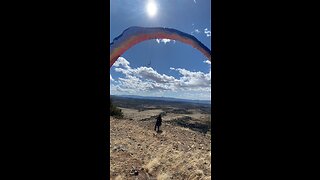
139	152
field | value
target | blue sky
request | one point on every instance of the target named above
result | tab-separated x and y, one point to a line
162	67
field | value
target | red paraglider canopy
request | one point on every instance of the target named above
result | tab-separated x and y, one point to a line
135	35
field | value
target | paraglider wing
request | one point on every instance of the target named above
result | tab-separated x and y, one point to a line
135	35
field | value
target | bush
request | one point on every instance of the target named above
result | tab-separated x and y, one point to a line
115	111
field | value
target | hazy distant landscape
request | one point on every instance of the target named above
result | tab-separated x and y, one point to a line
144	103
165	99
180	150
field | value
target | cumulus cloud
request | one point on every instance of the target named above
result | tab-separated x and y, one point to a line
207	32
151	74
148	80
122	61
190	80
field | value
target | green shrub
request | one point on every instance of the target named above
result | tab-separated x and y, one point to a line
115	111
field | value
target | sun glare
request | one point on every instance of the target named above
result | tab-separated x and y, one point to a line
151	8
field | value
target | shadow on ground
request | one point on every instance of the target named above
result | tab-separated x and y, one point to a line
195	126
159	132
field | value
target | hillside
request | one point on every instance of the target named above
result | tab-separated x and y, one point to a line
180	150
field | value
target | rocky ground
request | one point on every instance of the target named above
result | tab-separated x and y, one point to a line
175	152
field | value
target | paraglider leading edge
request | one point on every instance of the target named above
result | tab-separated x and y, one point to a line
135	35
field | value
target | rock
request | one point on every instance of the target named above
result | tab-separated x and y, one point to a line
134	172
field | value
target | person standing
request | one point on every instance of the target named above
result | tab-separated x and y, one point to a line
158	123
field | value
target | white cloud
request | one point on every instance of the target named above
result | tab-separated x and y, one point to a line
122	61
207	32
111	78
193	80
207	61
165	41
194	1
147	81
197	31
149	73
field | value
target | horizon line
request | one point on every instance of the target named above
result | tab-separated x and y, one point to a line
160	97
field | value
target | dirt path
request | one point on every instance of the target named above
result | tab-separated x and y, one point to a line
138	152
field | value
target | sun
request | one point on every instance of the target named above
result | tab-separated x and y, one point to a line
151	8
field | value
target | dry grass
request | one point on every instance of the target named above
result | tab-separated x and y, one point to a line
175	153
